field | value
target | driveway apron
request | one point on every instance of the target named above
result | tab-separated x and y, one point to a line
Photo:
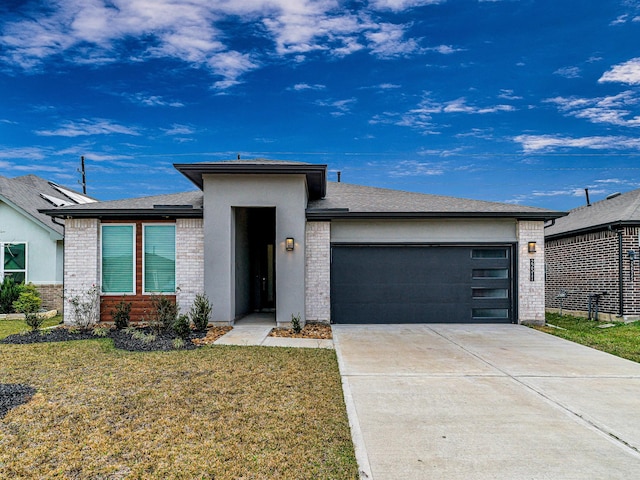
486	402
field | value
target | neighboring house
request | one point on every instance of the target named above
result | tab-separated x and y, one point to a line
31	243
593	250
276	236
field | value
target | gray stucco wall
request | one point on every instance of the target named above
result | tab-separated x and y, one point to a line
288	194
450	231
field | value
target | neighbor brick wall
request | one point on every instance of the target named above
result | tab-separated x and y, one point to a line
52	296
318	272
81	257
588	263
189	261
531	292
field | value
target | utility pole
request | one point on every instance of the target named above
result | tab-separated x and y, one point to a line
84	176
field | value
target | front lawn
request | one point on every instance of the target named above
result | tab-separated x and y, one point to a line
9	327
215	412
622	339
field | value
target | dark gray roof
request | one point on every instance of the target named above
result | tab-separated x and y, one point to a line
345	200
25	193
619	210
185	204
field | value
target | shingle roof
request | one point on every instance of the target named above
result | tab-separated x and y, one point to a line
370	200
188	204
24	192
621	209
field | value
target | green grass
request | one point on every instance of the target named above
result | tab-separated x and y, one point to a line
622	340
9	327
215	412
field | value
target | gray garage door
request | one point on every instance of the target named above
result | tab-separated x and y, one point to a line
421	284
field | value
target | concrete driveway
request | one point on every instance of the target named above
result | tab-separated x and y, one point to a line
487	402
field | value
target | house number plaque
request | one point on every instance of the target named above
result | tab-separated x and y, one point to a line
532	269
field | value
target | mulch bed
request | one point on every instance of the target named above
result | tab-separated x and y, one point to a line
141	339
310	330
13	395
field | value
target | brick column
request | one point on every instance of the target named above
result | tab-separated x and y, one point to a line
81	260
531	290
317	272
189	261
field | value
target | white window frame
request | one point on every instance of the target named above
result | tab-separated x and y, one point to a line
102	226
26	260
175	252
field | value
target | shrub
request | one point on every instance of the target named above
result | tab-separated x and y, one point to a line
121	314
200	312
163	314
29	304
9	293
182	326
295	323
85	306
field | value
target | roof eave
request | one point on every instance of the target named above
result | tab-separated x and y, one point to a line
125	214
316	175
330	214
52	231
594	228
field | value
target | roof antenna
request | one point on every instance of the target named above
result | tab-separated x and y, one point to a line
586	192
339	176
84	176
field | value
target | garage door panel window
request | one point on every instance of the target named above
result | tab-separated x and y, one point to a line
490	293
486	313
489	253
490	273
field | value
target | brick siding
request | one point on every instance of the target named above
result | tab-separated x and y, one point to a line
531	293
52	296
588	263
318	272
189	261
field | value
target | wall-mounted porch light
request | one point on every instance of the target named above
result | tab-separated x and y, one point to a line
531	247
289	244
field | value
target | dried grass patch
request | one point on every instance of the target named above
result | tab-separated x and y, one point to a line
310	330
218	412
213	333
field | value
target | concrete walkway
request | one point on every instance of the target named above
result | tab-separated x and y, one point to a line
487	402
254	330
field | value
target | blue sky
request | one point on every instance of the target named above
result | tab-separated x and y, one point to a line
518	101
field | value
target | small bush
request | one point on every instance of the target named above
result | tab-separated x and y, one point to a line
163	315
9	293
178	343
100	331
121	314
29	304
296	326
182	326
200	312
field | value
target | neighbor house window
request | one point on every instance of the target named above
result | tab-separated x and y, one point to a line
159	261
118	259
14	261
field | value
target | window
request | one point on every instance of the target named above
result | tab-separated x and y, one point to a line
490	273
489	253
490	293
159	261
14	261
118	259
490	313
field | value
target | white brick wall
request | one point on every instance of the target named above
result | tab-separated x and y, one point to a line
317	272
189	261
81	260
530	293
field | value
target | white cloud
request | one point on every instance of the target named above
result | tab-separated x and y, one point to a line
298	87
388	86
619	20
177	129
147	100
614	109
547	143
23	153
85	127
627	72
389	41
399	5
509	95
339	107
568	72
413	168
445	49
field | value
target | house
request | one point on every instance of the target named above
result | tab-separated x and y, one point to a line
277	236
592	253
31	243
